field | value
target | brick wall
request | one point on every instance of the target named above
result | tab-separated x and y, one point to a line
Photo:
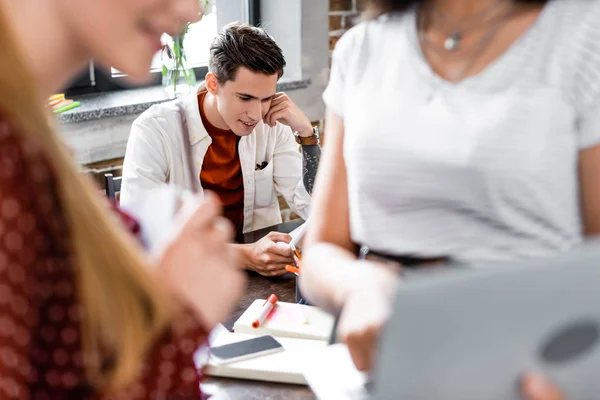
343	15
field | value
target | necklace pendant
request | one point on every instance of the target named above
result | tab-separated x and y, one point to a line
453	41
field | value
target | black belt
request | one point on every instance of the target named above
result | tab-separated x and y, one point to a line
406	261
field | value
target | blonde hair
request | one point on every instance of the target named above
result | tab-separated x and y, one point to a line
123	308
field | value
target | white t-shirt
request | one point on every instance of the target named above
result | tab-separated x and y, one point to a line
482	170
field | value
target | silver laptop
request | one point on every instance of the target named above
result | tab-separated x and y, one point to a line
469	335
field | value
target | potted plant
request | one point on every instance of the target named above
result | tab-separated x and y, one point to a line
177	76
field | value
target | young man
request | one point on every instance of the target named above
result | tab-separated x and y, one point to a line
244	140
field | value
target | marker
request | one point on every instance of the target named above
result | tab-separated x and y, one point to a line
67	107
292	269
265	310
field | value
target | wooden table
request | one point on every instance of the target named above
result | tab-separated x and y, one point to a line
260	287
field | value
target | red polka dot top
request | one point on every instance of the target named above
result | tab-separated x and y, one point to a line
40	343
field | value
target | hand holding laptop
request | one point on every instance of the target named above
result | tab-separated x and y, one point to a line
366	310
535	387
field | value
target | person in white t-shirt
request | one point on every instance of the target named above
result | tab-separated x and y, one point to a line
464	131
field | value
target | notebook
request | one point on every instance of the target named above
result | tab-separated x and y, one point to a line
283	367
287	320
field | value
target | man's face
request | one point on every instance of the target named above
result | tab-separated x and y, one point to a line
245	101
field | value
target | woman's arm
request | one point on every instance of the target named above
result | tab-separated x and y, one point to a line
328	248
331	269
589	179
332	277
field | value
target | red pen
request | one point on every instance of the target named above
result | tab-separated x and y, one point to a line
265	310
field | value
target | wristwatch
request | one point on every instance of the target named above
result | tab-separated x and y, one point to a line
309	140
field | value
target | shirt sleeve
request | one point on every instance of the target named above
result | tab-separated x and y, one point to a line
589	128
145	167
334	93
288	170
583	74
344	55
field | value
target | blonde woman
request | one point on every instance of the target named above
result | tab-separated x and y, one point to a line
81	314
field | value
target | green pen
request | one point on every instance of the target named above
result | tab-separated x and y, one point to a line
71	106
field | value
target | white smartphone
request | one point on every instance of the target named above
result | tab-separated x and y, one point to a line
238	351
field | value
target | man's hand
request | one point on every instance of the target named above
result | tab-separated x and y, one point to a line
269	255
284	110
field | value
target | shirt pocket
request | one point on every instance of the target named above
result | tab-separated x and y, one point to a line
263	184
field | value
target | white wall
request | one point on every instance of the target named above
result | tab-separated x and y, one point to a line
301	27
282	19
99	140
231	11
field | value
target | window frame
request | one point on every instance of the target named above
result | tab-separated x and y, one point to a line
95	79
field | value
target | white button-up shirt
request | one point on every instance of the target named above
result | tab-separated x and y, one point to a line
155	156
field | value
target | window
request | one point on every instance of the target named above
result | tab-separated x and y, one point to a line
197	44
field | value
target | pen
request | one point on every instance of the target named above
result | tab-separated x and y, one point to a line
265	310
261	166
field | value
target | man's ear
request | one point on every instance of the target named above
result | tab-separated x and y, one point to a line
212	84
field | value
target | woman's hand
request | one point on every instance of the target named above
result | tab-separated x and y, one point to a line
366	311
199	265
535	387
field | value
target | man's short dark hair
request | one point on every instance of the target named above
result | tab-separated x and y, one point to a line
241	45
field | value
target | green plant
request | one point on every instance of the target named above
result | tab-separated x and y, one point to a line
175	62
177	59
